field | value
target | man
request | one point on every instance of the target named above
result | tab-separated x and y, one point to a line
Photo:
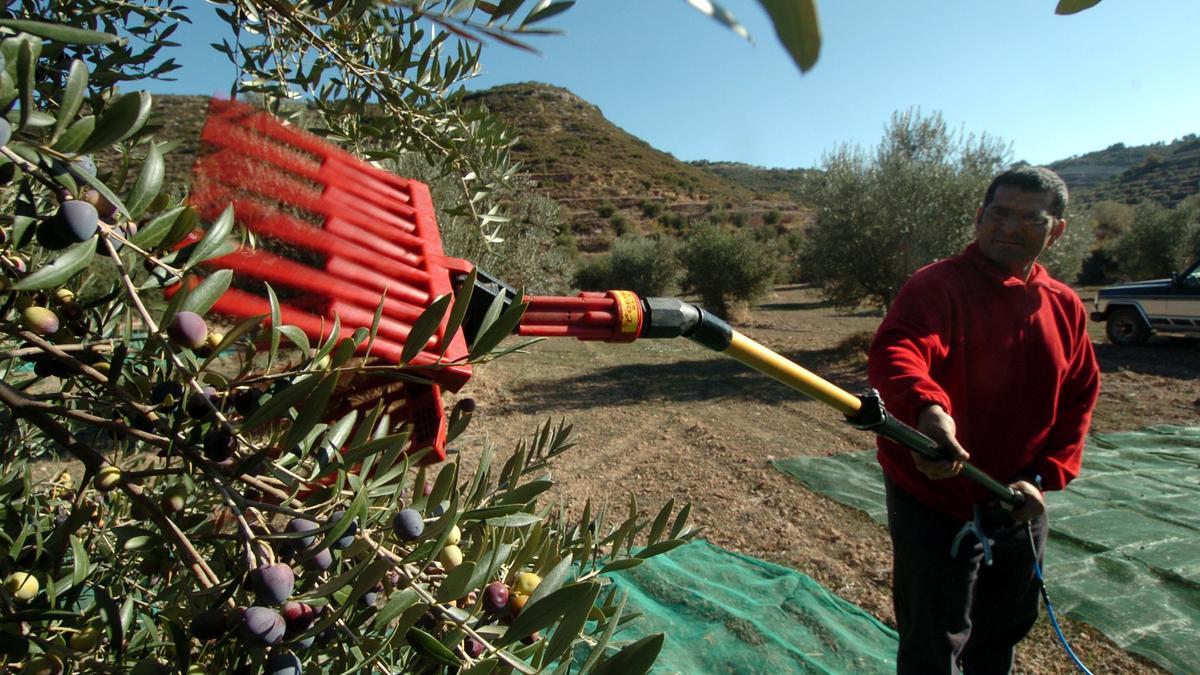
989	356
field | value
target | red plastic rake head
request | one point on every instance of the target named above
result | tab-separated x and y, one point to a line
342	235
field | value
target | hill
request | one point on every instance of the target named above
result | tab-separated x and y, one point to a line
1161	172
609	180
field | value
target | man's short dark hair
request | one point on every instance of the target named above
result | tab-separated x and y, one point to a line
1032	179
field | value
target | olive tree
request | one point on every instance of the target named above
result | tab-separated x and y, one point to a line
882	215
179	494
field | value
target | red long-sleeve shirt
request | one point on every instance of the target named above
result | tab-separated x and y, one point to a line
1011	362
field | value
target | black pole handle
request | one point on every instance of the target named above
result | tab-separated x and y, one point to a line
872	416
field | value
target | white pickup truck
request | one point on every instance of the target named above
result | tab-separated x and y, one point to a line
1133	312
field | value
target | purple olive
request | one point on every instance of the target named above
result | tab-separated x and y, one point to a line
51	237
466	405
273	584
197	406
209	625
408	525
472	647
50	367
298	616
40	320
347	537
322	561
261	625
245	401
282	663
301	525
188	330
495	596
219	445
168	394
76	220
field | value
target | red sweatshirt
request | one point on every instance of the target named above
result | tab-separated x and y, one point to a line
1009	360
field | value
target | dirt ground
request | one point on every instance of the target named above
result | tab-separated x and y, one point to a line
668	419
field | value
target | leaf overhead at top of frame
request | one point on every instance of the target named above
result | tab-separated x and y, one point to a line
721	15
798	29
60	33
546	9
1066	7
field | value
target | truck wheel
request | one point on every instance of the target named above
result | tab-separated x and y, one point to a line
1125	327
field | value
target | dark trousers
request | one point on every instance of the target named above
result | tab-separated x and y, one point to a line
956	614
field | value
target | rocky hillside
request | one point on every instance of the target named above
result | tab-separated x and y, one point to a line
1161	172
611	182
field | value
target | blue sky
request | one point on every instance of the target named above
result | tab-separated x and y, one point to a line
1124	71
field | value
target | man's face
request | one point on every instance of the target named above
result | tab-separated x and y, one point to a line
1016	227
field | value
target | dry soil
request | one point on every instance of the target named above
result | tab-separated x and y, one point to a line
670	420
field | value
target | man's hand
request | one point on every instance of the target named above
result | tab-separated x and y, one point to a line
1035	503
936	424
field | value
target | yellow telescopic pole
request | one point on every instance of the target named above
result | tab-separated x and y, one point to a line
769	363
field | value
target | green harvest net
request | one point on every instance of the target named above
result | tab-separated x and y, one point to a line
723	612
1124	547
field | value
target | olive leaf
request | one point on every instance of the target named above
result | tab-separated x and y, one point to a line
633	659
149	182
119	120
205	295
65	266
72	96
59	32
797	28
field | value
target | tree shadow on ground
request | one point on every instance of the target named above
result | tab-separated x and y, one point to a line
1165	357
684	381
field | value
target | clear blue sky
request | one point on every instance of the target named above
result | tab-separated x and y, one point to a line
1124	71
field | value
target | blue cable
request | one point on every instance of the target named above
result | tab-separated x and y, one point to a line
1062	639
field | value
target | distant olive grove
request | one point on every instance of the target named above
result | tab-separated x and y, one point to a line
881	214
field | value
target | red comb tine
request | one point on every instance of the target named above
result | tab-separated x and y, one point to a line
350	237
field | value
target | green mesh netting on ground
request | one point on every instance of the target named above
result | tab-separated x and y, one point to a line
723	612
1124	547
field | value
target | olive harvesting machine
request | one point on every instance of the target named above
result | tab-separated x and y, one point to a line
352	246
